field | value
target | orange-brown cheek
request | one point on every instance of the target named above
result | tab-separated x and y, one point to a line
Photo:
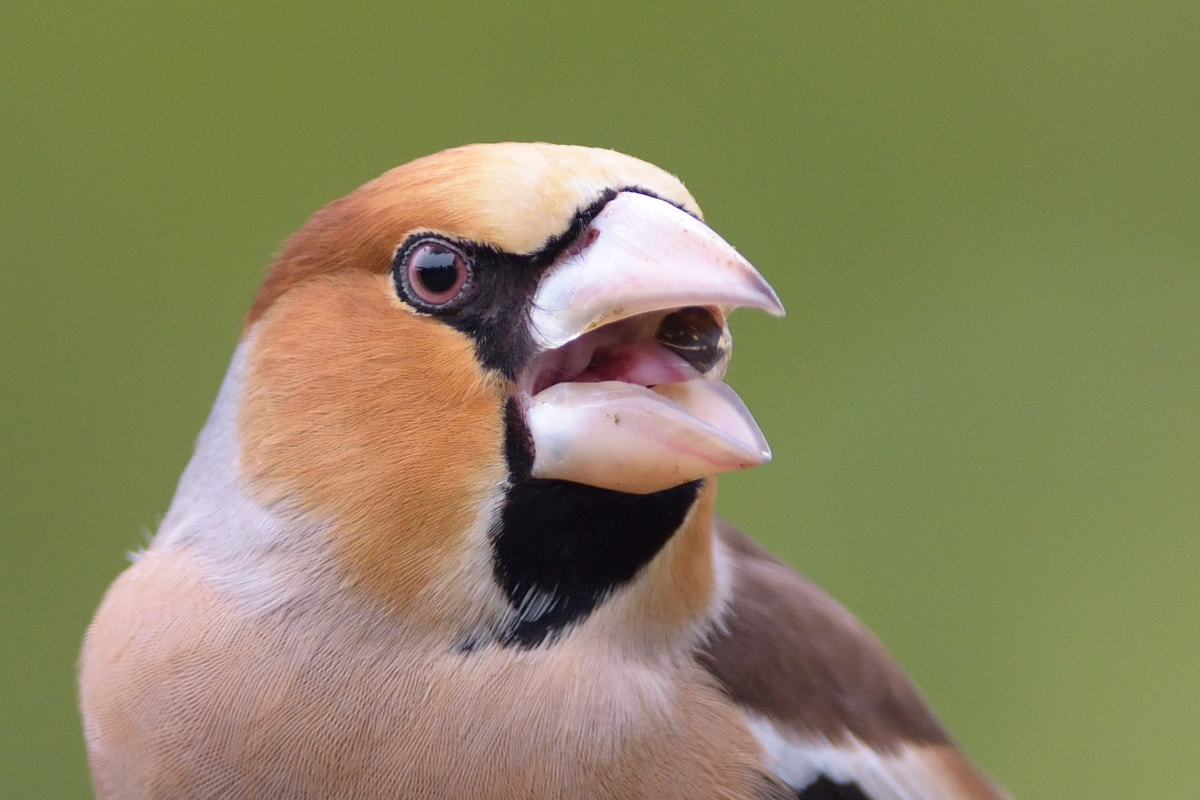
360	412
685	590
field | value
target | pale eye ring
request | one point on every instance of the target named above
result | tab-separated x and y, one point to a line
435	272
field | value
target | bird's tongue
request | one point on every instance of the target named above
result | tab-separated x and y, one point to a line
646	363
641	419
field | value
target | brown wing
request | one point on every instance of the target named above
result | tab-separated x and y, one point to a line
837	716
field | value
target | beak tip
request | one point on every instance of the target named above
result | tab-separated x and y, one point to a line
771	302
768	299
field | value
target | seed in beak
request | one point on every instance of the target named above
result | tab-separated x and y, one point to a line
695	335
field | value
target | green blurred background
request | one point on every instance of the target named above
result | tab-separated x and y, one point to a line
985	222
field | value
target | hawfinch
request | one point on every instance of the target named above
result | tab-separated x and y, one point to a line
449	531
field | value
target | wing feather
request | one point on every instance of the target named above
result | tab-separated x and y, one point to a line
836	715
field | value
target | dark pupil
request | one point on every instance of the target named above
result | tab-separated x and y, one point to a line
436	270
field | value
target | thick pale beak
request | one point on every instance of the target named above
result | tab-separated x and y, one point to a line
632	328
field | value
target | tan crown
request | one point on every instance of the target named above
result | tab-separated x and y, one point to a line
514	197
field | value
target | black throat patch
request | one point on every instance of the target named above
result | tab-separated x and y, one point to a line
560	548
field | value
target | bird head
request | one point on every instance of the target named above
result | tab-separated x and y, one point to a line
498	369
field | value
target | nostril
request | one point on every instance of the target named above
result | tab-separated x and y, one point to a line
583	241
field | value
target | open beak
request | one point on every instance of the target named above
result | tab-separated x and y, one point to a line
631	325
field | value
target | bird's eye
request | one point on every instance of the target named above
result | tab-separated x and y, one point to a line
435	272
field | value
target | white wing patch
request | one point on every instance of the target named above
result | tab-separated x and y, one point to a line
908	773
